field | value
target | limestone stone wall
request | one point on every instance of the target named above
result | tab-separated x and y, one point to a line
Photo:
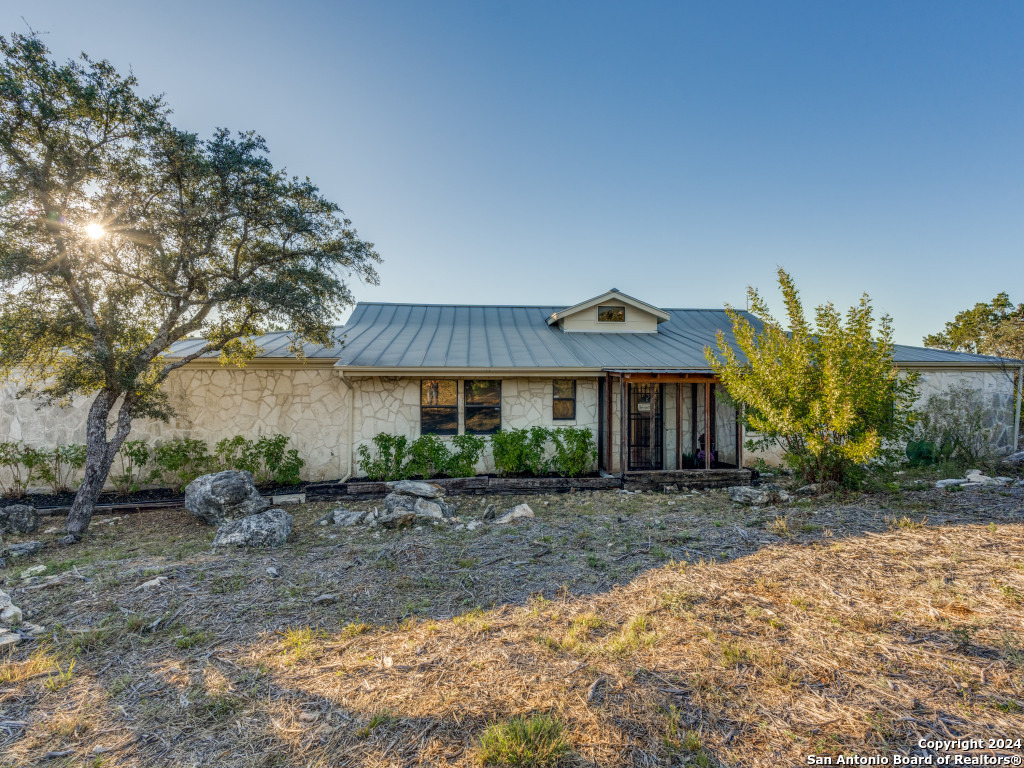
307	404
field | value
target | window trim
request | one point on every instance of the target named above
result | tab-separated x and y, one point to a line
454	408
555	398
467	408
603	307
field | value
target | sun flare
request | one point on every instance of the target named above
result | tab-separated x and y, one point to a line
94	231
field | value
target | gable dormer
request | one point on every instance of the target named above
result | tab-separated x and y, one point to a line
611	312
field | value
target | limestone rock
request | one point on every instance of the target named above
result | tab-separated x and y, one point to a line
950	481
343	517
490	512
10	614
416	488
24	550
429	508
18	518
1014	460
264	529
9	640
35	570
516	513
749	496
224	496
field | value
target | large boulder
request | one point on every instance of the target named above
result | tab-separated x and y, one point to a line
264	529
404	508
18	518
24	549
223	496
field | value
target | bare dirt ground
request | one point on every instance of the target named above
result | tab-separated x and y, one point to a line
659	629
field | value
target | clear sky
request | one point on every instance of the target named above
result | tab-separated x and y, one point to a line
543	152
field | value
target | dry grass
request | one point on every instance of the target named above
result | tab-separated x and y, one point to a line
855	633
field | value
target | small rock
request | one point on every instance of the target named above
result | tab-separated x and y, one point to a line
490	512
1001	480
309	717
264	529
342	517
151	583
25	549
33	630
329	598
755	497
516	513
35	570
9	640
472	525
272	572
223	496
18	518
971	472
67	541
10	614
1014	460
416	488
949	481
52	529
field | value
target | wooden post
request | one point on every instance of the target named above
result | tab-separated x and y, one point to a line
707	426
623	425
679	426
693	421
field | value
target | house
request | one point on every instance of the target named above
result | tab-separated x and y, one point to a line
632	373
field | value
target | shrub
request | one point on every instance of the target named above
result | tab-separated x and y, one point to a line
134	457
265	459
520	451
954	421
575	451
57	466
428	456
182	460
389	463
237	453
828	392
11	455
467	453
534	742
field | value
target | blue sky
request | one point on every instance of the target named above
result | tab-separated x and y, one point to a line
542	152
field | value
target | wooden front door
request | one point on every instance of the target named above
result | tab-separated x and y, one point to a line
646	430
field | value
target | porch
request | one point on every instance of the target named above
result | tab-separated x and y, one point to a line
663	427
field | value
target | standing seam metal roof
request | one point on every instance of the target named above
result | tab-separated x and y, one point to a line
380	335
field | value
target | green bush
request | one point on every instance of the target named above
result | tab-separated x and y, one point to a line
575	451
134	457
266	459
428	457
390	461
467	453
520	451
182	460
58	465
20	474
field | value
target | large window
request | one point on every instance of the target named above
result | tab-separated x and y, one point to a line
611	314
563	403
439	407
483	406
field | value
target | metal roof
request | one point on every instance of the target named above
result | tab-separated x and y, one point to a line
414	336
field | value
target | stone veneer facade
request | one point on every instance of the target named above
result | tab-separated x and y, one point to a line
327	416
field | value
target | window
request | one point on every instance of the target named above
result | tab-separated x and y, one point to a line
563	404
611	314
483	406
439	407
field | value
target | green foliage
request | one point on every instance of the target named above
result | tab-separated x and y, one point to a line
181	460
464	459
19	475
134	456
427	456
575	451
534	742
953	422
57	466
827	392
520	451
993	328
390	461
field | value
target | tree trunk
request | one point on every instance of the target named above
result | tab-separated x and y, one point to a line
99	457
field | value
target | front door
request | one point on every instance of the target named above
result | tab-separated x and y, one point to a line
646	446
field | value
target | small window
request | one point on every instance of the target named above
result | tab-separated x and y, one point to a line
611	314
483	406
439	407
563	405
